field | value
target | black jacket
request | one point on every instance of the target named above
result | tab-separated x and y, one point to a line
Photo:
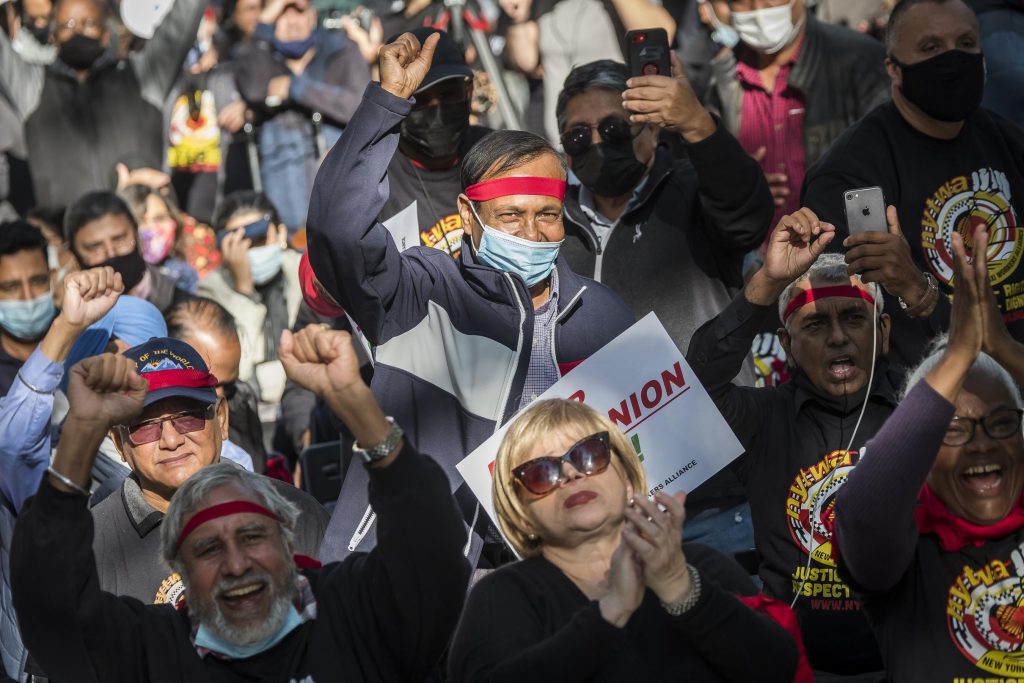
678	249
381	616
332	83
77	131
840	72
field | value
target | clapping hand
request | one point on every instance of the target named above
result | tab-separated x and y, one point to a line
655	535
404	63
89	295
623	587
971	317
668	102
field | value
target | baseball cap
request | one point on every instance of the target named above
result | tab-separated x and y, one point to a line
173	368
449	62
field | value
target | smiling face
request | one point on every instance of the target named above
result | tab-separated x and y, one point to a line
165	464
830	340
238	571
981	480
581	507
537	218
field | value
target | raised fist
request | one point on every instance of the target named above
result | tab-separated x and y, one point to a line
105	390
89	295
320	359
404	63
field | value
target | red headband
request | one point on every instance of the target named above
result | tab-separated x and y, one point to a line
512	185
814	294
192	379
222	510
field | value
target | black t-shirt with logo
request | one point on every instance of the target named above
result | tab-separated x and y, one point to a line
955	617
938	187
435	193
795	462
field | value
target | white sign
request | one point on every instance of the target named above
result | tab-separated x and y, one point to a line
404	227
641	380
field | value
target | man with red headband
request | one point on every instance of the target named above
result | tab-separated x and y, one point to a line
256	609
460	345
180	431
799	437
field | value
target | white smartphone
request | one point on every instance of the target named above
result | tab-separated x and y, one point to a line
865	210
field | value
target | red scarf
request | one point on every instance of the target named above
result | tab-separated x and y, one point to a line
933	517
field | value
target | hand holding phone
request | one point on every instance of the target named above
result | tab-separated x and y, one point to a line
648	52
865	210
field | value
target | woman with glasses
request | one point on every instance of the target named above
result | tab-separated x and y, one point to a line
930	525
605	590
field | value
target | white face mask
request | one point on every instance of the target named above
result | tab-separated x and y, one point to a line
768	29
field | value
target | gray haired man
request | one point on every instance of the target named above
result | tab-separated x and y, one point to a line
803	438
254	610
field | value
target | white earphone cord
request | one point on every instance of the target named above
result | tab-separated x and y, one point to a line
815	510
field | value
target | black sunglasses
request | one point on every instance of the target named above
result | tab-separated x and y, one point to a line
540	476
615	130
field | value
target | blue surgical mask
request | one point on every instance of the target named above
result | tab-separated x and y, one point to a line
294	49
265	263
532	261
27	320
723	34
206	639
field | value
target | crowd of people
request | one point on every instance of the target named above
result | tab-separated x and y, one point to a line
271	269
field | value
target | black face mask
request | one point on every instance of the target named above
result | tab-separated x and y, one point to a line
131	266
609	170
40	33
946	87
80	51
436	132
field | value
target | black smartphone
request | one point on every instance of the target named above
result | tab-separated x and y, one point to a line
648	52
865	210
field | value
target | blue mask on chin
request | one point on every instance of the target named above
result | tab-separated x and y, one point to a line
532	261
206	639
294	49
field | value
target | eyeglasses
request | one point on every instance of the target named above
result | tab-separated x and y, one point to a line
1001	423
614	130
79	26
185	422
541	476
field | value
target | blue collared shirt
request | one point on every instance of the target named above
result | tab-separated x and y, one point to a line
25	427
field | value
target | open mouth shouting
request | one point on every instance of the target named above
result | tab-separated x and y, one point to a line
841	368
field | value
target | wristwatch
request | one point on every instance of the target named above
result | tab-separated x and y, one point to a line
381	450
686	604
926	305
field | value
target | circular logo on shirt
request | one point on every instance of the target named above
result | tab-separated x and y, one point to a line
810	503
985	609
962	205
171	591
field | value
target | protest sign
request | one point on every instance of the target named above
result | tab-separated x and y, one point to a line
642	382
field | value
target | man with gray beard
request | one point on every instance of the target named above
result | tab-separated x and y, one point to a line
255	611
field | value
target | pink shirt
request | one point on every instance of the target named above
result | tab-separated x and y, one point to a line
774	120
